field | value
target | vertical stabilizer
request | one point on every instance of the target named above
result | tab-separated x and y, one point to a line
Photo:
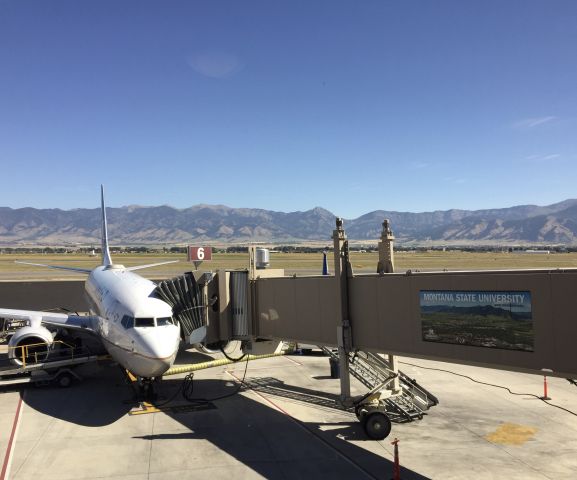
106	260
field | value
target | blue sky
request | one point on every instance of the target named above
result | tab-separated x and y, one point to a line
286	105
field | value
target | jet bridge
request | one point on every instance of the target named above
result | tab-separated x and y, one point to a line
520	320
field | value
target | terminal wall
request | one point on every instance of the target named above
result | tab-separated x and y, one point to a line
43	295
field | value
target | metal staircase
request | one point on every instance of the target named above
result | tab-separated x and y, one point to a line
405	404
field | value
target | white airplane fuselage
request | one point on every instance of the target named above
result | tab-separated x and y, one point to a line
136	328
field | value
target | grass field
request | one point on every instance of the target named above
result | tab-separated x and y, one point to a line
293	263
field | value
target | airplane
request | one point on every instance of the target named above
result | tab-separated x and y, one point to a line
136	328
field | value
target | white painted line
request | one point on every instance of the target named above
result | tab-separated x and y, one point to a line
294	361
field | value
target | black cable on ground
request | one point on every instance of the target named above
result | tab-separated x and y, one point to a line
492	385
230	358
181	389
186	388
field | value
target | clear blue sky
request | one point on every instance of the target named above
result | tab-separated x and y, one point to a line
350	105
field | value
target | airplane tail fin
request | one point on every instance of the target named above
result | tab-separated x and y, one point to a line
325	264
106	260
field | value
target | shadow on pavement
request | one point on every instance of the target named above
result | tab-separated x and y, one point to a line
239	430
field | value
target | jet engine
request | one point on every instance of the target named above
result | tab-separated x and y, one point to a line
30	345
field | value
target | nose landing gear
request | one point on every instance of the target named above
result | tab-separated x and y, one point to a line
142	387
146	391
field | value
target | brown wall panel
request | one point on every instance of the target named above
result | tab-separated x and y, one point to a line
300	309
43	295
385	312
563	329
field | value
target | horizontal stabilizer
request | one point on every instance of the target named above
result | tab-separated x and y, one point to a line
140	267
58	267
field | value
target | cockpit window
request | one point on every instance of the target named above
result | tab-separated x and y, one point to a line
144	322
127	321
160	322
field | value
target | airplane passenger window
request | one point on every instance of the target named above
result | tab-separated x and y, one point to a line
144	322
164	321
127	321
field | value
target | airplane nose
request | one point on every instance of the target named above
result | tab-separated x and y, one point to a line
157	351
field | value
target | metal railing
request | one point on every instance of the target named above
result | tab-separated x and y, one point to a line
36	353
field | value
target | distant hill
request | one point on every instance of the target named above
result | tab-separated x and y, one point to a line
555	223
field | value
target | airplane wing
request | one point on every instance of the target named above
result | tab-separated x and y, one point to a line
61	320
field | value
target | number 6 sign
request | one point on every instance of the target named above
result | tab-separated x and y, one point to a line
199	254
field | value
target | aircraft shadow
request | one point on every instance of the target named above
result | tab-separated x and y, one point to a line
233	430
97	401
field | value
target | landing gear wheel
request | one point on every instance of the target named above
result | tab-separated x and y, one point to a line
377	425
64	380
146	388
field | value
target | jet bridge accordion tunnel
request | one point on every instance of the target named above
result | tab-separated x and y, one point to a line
196	299
183	294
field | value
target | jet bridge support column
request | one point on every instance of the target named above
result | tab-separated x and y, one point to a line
344	334
386	254
387	265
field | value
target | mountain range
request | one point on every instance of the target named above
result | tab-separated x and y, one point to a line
552	224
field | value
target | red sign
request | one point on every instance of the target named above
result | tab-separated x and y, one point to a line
199	254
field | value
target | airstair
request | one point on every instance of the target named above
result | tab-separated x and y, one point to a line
402	397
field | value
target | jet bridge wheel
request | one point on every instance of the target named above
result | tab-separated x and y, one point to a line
375	421
64	379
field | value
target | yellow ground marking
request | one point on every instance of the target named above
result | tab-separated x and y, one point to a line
132	377
511	434
144	408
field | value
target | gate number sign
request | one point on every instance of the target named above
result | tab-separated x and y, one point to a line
199	254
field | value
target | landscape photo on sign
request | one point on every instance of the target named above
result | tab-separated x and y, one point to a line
491	319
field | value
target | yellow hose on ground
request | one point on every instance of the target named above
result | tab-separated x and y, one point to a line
214	363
